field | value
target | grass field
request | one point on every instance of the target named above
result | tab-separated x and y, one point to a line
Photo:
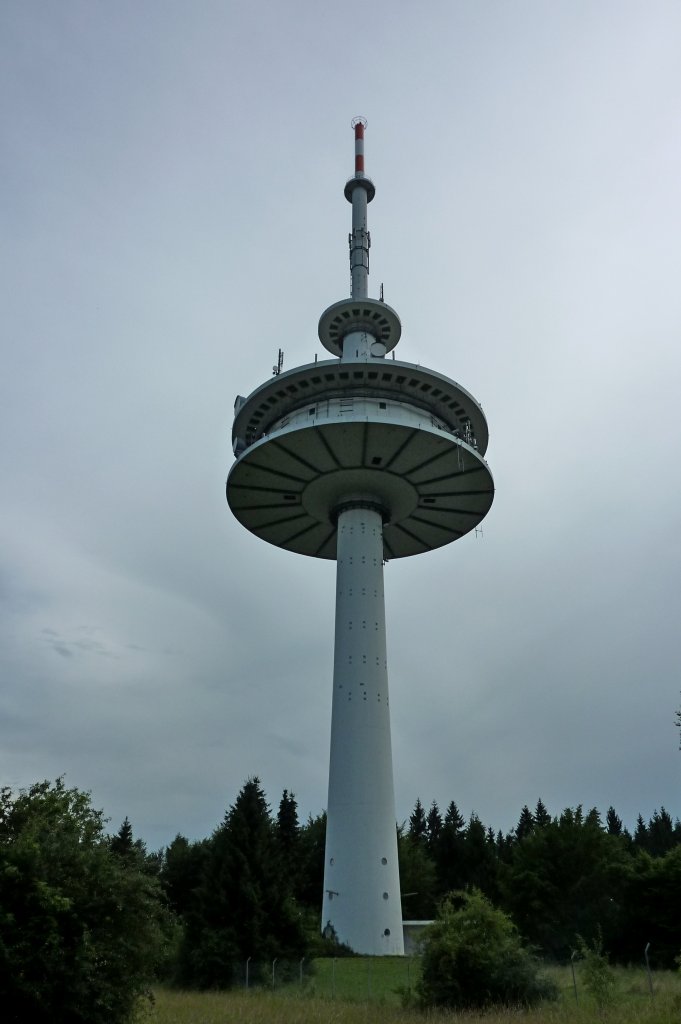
365	993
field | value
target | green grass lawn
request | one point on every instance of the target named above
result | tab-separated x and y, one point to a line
362	979
365	991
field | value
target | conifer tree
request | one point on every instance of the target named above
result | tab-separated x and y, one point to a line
123	844
133	851
417	878
312	840
660	833
181	873
287	820
525	824
613	822
641	834
418	826
244	906
433	826
651	903
593	818
449	851
503	845
541	815
572	816
564	879
479	858
453	819
288	836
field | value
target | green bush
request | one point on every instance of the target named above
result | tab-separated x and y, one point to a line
80	925
472	956
598	976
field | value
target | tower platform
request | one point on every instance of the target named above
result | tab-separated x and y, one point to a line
407	438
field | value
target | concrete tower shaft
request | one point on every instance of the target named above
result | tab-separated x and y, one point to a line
361	875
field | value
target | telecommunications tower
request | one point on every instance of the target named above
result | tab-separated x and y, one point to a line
360	459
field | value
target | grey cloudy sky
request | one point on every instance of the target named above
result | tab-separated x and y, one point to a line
172	214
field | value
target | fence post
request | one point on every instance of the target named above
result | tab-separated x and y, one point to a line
247	963
650	977
368	979
302	961
274	964
333	978
574	979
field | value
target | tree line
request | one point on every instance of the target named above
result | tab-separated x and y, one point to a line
556	877
87	918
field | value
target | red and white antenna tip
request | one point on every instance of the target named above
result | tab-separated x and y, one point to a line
359	124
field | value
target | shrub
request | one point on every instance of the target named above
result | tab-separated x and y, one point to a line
597	974
80	926
473	956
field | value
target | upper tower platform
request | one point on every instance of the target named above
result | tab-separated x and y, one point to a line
359	430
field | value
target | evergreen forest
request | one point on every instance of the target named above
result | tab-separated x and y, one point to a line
89	918
253	888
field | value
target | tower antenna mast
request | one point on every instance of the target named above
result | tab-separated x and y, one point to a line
359	191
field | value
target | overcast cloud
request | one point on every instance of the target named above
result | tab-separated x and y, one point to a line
173	213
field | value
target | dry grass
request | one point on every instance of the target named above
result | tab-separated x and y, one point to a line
267	1008
632	1005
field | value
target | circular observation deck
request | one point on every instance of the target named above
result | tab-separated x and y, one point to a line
409	445
389	380
371	316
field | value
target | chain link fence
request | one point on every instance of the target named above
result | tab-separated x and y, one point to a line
347	978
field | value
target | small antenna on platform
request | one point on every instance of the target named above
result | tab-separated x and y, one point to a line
276	370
